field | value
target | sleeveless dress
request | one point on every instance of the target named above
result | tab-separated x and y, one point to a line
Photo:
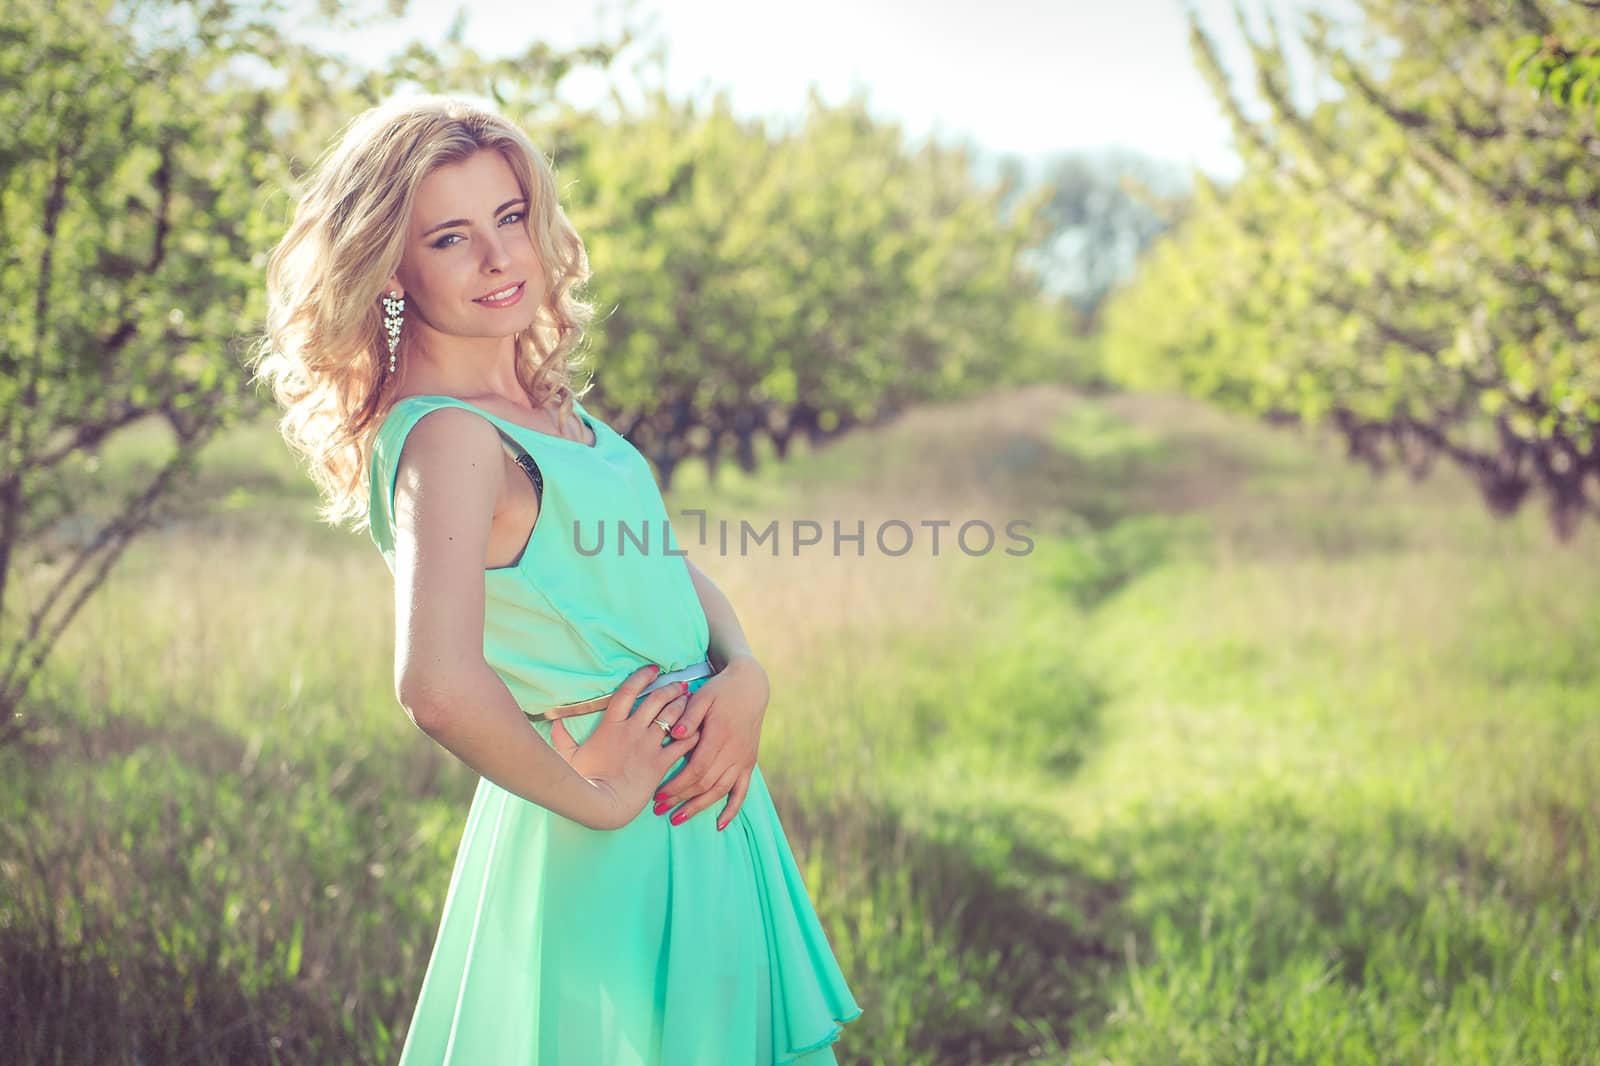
649	945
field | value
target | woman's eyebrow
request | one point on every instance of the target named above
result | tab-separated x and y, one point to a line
464	222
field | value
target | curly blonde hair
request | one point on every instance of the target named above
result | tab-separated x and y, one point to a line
323	350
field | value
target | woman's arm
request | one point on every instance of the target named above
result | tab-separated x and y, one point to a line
449	479
727	636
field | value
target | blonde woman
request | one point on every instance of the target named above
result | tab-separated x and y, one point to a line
422	316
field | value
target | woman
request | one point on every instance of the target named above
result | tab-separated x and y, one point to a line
421	318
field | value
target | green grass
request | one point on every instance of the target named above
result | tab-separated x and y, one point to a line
1253	759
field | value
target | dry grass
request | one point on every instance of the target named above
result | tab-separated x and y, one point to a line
1250	752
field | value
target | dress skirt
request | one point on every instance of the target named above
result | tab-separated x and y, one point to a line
649	945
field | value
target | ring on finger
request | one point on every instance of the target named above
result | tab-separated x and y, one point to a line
665	726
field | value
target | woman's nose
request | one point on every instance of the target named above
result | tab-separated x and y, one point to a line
495	254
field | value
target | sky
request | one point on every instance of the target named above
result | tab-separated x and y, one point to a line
1031	78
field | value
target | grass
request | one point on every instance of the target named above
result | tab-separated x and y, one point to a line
1251	759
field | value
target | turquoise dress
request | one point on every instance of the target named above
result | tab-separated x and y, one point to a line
649	945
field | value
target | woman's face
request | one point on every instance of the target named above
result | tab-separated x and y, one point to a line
467	239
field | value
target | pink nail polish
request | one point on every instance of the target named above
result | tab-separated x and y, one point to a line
677	819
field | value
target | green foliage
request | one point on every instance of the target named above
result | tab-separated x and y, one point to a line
1569	76
1105	209
1410	264
128	168
759	286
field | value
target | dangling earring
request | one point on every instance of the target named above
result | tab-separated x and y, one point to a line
394	304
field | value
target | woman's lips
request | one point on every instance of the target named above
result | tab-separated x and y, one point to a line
508	301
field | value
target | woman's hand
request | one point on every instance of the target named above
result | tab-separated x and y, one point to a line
728	711
624	758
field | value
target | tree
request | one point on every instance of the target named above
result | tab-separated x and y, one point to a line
139	144
758	285
1105	210
1412	263
128	167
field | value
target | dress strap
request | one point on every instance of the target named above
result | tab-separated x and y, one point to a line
520	456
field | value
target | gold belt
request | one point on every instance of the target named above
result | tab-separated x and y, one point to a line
598	703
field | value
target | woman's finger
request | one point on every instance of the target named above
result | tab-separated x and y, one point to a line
658	704
648	720
674	750
685	783
691	719
703	768
730	810
627	694
724	784
562	740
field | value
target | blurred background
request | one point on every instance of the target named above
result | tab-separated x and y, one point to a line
1276	321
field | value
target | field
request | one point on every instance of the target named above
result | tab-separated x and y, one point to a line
1253	758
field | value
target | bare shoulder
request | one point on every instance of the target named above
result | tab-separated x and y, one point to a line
450	439
449	474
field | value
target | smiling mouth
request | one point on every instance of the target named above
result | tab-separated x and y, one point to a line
502	295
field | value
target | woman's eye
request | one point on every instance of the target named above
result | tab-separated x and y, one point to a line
441	242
